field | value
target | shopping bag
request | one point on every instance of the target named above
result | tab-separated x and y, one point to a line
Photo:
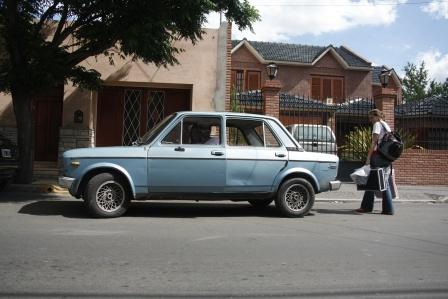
360	175
375	182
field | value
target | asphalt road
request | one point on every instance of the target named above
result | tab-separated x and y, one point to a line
50	248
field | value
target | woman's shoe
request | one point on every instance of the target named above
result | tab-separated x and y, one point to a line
387	213
362	211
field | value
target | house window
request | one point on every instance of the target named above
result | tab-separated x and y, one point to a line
323	88
237	80
243	80
253	80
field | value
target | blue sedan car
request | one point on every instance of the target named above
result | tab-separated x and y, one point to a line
202	156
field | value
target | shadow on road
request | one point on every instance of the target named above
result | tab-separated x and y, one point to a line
76	209
336	211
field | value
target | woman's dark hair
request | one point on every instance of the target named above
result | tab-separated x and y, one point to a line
377	113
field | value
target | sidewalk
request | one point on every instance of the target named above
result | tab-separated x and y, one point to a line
347	193
407	193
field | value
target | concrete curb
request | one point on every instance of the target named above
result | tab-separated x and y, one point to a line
37	188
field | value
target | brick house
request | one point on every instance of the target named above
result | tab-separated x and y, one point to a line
134	97
322	73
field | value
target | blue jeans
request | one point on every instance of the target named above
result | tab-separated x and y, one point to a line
369	199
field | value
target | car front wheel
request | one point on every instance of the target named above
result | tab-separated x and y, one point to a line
295	197
107	195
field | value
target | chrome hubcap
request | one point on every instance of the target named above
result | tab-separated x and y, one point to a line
296	197
110	196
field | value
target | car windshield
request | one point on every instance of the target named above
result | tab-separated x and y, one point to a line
313	133
154	132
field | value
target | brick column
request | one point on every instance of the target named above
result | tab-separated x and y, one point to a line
385	101
271	98
228	64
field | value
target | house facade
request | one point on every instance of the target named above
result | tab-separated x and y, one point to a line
328	74
134	97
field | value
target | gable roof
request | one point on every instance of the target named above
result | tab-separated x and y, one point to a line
376	72
296	54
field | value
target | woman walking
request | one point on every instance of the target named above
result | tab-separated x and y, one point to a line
375	160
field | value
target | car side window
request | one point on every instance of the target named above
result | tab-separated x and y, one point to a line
249	132
195	130
174	135
235	137
269	137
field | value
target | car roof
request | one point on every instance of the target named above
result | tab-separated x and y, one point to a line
234	114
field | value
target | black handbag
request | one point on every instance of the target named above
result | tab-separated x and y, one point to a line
377	160
391	146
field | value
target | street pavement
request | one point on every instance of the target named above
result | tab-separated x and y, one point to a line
51	248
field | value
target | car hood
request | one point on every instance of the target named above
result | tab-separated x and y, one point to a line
107	152
312	157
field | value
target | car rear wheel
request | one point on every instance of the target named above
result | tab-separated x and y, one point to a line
107	195
295	198
261	203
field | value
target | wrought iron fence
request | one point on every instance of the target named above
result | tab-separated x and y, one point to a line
423	123
247	102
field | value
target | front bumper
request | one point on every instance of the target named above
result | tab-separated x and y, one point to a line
335	185
66	181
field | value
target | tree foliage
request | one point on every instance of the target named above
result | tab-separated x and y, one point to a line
415	81
47	39
417	84
43	42
438	88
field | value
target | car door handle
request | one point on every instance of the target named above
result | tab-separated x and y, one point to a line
217	153
280	155
179	149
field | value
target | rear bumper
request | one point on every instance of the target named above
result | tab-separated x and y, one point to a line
335	185
66	182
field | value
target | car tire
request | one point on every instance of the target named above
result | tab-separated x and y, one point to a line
295	198
107	195
261	203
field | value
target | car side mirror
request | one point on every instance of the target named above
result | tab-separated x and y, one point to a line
137	142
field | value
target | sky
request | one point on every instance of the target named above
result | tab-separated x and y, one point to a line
385	32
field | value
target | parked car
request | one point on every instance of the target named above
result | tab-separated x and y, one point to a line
202	156
8	161
314	138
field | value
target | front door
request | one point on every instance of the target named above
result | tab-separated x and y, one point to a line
189	159
254	156
48	119
126	113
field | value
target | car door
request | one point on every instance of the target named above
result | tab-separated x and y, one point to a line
255	156
190	158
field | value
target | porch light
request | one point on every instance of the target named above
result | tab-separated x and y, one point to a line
272	69
384	77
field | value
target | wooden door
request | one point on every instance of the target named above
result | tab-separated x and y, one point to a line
48	119
109	121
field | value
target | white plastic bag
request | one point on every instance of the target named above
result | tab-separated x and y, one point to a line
361	175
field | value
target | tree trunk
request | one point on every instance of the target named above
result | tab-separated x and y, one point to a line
22	103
